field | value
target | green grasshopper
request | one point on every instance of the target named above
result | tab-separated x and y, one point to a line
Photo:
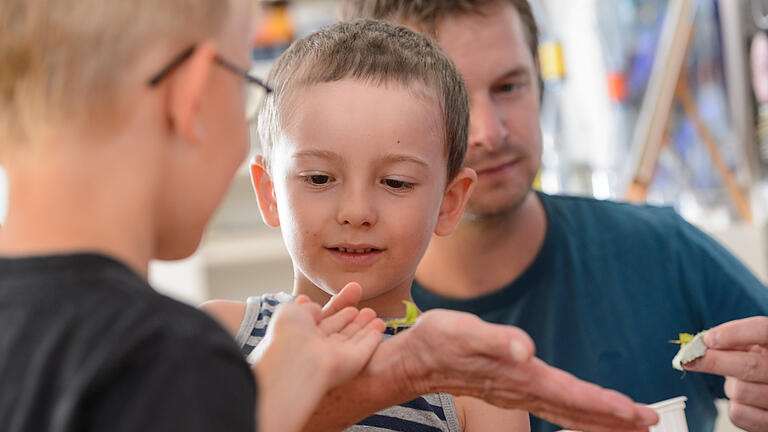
411	315
684	339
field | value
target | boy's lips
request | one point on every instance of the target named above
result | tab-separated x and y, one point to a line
354	255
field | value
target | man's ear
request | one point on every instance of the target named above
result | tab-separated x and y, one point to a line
454	200
265	192
188	84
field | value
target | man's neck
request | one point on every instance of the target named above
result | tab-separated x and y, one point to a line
70	203
483	256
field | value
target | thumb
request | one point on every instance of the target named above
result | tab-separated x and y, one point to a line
350	295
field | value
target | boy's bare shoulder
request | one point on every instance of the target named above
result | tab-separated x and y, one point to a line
478	415
227	312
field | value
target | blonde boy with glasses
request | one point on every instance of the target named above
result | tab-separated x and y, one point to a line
121	126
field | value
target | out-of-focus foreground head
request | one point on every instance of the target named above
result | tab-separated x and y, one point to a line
63	61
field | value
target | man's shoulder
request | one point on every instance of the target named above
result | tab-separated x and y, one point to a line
607	215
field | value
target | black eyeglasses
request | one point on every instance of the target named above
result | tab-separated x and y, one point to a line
255	92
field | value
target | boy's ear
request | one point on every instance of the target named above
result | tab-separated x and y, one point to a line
265	192
187	87
454	200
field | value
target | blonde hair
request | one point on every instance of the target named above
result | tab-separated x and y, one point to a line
375	52
62	60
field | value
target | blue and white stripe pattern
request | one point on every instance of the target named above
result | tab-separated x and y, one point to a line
428	413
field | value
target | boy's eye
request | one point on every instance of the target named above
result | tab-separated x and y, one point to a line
318	179
397	184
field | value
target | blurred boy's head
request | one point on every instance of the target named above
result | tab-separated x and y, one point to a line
75	90
363	142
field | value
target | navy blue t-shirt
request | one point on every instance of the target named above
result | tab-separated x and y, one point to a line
611	285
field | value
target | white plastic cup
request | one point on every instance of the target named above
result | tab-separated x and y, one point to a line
671	416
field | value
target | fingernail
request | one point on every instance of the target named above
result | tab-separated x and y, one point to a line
519	353
691	364
711	340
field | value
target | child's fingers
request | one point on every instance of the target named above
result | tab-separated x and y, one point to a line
366	340
363	318
349	296
338	321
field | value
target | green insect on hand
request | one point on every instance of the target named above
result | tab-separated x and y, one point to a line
411	315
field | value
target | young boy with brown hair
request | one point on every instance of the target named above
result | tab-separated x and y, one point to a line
121	125
362	150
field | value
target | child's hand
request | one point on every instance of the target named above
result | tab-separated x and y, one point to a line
303	355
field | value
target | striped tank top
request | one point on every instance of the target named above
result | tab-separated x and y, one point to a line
428	413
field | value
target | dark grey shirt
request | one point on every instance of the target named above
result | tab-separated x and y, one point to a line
87	345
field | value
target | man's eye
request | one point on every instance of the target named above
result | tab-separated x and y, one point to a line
508	88
318	179
397	184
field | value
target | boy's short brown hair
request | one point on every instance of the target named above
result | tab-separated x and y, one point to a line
62	60
425	14
375	52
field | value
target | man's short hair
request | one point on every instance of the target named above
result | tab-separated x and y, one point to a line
63	60
376	52
425	14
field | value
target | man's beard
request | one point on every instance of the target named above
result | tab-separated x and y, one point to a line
491	214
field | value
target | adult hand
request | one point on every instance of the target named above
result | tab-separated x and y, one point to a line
303	355
738	350
458	353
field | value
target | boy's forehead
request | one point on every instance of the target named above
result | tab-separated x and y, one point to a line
354	115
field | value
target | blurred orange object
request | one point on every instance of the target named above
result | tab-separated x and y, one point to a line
617	86
275	27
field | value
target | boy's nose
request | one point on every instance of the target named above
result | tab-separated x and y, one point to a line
357	210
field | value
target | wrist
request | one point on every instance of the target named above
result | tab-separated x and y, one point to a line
404	372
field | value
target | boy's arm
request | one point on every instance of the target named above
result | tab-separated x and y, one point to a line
229	314
476	415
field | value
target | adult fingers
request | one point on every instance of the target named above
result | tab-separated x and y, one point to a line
747	366
348	296
560	389
490	340
747	331
747	393
575	423
748	417
338	321
508	342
